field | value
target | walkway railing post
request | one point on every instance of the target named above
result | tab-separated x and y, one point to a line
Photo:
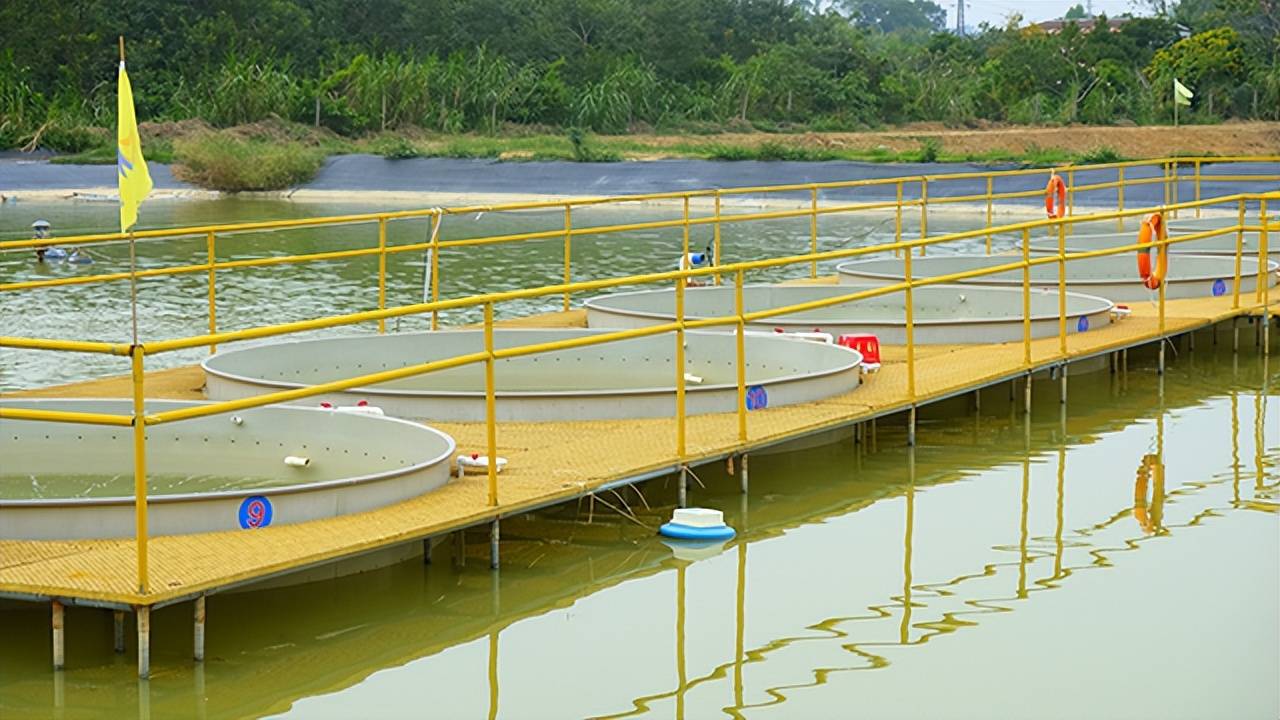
1261	287
897	220
382	271
211	254
813	229
742	357
1174	169
989	201
1120	198
1197	165
490	406
1163	248
680	383
924	211
715	238
1062	288
1235	292
568	250
911	340
436	219
1071	192
136	354
1026	296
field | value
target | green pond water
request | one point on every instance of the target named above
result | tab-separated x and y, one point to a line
1007	567
176	306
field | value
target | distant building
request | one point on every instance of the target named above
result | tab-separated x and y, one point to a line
1086	24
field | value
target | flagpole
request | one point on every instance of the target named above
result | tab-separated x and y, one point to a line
1175	102
133	256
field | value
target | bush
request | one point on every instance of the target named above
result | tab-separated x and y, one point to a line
930	148
394	148
222	161
1100	156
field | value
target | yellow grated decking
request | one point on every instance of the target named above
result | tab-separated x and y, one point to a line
548	462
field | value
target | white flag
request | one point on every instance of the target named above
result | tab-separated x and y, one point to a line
1181	93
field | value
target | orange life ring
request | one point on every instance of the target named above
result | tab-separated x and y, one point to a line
1058	187
1153	229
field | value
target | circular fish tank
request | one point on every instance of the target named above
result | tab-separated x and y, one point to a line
243	471
943	314
1115	278
631	378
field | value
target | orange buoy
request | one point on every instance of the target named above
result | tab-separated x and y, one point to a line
1152	229
1055	187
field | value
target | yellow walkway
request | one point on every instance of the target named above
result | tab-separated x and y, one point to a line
549	462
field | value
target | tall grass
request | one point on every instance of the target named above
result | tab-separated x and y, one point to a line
226	162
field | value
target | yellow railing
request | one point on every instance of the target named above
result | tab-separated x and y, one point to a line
139	419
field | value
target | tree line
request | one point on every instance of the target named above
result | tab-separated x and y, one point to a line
614	66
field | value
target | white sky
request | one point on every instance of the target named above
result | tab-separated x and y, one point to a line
995	13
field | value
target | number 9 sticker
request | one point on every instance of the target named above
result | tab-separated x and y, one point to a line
255	512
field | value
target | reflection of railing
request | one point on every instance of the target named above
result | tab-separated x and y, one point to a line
137	352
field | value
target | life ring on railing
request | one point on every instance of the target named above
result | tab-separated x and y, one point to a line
1056	186
1152	229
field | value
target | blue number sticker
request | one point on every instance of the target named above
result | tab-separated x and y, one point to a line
1219	288
1083	324
255	512
757	398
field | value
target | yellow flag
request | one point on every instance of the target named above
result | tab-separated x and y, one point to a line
131	167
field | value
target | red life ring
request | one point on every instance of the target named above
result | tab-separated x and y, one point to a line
1153	229
1058	187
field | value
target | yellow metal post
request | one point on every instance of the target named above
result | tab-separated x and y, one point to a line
685	238
1166	183
897	220
1197	187
382	271
742	356
680	437
1262	289
1235	292
213	292
715	257
1071	191
139	467
813	230
911	337
1120	198
1026	296
989	180
435	268
490	406
1164	248
568	247
924	211
1174	168
1062	288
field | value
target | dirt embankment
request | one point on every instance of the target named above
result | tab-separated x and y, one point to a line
1243	138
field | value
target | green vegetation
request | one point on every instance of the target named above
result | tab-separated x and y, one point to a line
221	161
557	79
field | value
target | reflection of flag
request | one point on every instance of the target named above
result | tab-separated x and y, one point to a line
135	180
1181	93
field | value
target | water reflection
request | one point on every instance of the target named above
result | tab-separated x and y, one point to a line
859	556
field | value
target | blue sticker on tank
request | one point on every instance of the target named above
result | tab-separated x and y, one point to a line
255	512
1082	324
1219	288
757	398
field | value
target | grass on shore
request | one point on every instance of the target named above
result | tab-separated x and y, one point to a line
275	156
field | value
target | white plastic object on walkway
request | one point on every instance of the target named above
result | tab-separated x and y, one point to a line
693	379
296	461
476	463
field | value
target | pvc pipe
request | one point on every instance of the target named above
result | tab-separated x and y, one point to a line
295	461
